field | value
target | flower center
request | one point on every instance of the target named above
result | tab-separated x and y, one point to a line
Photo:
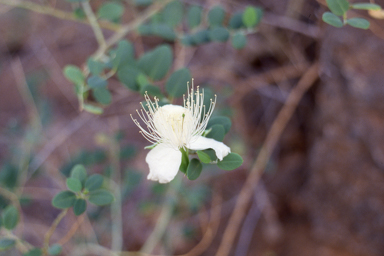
175	124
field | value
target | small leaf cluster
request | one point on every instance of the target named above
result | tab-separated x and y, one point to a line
338	15
216	129
194	26
82	188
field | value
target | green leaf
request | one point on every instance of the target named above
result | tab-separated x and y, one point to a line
55	249
211	153
216	16
93	109
34	252
358	23
239	41
194	16
79	206
76	1
157	62
176	85
101	197
332	19
128	75
187	40
338	7
6	243
366	6
10	217
223	120
95	67
79	14
96	82
79	172
194	169
94	182
184	161
74	74
173	13
102	95
124	55
74	184
236	21
143	2
217	132
204	157
163	31
250	17
110	11
64	199
219	34
151	90
230	162
201	37
9	174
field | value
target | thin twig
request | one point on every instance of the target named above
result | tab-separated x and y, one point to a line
94	24
72	230
257	169
47	10
52	229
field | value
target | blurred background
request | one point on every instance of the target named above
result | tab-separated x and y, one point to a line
321	193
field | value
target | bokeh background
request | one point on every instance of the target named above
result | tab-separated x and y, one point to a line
322	191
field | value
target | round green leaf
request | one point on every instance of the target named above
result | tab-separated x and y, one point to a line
358	23
124	54
101	197
79	172
163	31
332	19
211	153
151	90
239	41
74	184
95	67
96	82
184	161
217	132
219	34
74	74
250	17
102	95
128	75
194	169
201	37
176	85
236	21
230	162
94	182
142	2
110	11
223	120
194	16
204	157
10	217
187	40
64	199
79	206
9	174
34	252
79	14
76	1
216	16
93	109
157	62
55	249
173	13
338	7
366	6
6	243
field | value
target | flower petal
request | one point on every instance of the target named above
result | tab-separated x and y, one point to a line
201	143
164	162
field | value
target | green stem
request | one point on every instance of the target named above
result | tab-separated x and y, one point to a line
164	218
52	229
94	24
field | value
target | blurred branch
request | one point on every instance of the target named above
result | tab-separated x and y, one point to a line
43	9
270	142
52	229
94	24
72	231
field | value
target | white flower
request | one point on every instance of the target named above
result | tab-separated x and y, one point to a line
173	127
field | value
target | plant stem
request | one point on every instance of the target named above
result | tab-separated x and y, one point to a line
94	24
52	229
